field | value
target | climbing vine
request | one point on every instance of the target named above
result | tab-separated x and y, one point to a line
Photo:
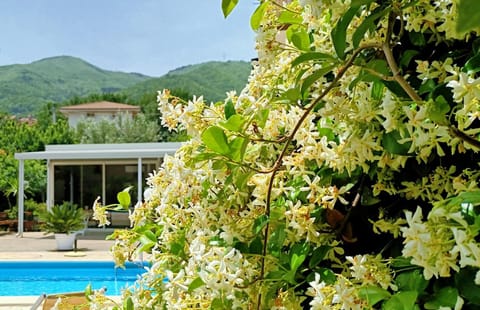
344	175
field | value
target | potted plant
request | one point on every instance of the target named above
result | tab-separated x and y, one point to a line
63	221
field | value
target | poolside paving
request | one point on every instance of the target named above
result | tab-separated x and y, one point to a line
38	246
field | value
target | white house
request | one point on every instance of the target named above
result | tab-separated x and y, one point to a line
79	173
97	110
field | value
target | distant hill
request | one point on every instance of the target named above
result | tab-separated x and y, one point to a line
24	87
210	79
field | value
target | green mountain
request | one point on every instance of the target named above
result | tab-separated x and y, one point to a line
211	79
24	87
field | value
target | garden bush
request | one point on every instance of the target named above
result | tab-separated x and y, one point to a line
344	176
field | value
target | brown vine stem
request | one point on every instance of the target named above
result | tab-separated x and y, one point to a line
278	162
387	51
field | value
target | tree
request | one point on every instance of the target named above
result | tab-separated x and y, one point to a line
122	129
344	176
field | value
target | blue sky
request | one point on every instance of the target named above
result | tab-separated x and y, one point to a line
146	36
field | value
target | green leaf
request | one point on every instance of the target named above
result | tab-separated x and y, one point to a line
259	223
241	178
357	3
298	254
472	65
327	132
289	18
468	15
411	281
196	283
228	6
237	148
318	255
368	23
216	140
299	37
292	95
257	16
124	199
373	294
256	246
229	109
391	145
437	110
128	304
407	57
150	235
377	90
234	123
277	238
445	297
327	275
339	32
417	38
177	248
464	282
311	56
261	116
315	76
401	301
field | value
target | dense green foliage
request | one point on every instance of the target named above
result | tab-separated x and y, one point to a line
122	129
211	79
24	88
343	177
19	135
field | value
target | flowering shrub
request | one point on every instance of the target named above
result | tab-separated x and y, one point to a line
344	176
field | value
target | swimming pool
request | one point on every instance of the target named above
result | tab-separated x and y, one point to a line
38	277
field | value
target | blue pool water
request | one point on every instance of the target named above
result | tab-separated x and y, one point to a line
35	278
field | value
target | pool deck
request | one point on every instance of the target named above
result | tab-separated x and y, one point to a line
37	246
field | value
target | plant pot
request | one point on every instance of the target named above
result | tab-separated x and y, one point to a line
65	242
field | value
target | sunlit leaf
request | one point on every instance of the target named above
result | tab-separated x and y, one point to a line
373	294
339	32
237	148
315	76
216	140
468	15
311	56
299	37
228	6
368	24
124	199
128	304
196	283
290	18
357	3
298	254
257	16
401	301
234	123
